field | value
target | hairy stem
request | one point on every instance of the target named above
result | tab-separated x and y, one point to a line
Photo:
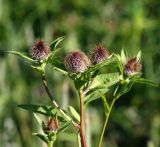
82	119
55	103
106	121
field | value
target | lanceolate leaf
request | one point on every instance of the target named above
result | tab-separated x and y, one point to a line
63	127
74	113
43	137
52	58
58	65
123	88
105	80
21	55
55	43
100	85
106	62
94	94
38	119
45	110
146	81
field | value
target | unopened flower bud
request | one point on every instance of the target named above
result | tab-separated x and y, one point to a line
76	62
40	50
133	66
52	125
99	54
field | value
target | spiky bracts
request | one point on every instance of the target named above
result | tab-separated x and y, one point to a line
40	50
133	66
76	62
99	54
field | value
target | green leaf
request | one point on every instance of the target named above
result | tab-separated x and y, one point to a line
74	113
79	82
63	127
105	80
45	110
146	81
21	55
123	88
52	58
43	137
100	85
39	120
56	63
106	62
94	94
55	43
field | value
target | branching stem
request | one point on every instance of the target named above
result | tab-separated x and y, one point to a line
55	103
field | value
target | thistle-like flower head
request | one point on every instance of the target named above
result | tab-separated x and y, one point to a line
133	66
40	50
76	62
99	54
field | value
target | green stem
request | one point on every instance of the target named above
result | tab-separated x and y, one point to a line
82	119
105	123
79	139
55	103
50	144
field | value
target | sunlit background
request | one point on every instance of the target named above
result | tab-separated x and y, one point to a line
133	25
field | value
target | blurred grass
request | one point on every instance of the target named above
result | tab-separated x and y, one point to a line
133	25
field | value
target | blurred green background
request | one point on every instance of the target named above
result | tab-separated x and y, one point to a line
117	24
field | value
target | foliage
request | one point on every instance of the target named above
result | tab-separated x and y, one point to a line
116	24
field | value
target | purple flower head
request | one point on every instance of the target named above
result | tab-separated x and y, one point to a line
99	54
40	50
133	66
76	62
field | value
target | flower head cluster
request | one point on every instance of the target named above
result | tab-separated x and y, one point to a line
40	50
133	66
76	62
99	54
